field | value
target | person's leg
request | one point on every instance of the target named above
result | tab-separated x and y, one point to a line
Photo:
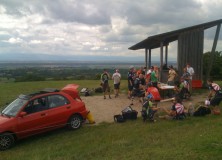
108	90
117	90
130	88
104	90
190	85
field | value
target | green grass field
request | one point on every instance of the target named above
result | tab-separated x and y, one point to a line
193	138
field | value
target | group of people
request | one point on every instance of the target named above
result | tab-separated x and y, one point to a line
182	84
179	111
140	80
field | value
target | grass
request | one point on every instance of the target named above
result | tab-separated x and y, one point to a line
193	138
10	91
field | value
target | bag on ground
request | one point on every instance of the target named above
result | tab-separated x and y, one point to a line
129	113
118	118
202	111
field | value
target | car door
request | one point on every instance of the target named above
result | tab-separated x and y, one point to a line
35	119
59	110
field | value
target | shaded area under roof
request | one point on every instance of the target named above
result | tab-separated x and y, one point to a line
153	42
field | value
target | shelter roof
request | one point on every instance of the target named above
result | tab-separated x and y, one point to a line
153	42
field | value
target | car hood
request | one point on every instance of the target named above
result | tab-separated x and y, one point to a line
4	122
4	119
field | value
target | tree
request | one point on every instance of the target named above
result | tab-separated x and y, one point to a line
216	71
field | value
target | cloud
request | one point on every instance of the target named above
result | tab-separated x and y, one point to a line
14	40
86	27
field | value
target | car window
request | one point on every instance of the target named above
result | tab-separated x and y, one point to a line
13	108
57	100
36	105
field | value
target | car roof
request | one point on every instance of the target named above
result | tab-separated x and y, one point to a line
44	91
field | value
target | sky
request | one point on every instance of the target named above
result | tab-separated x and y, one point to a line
97	29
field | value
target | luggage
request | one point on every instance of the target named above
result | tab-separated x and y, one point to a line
202	111
86	92
119	118
129	113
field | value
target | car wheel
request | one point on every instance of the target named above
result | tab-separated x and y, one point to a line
75	122
7	140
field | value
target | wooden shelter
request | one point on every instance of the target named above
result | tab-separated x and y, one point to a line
190	46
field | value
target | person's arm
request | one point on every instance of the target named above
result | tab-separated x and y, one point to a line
210	94
102	80
108	75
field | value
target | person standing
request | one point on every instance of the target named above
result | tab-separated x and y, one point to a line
171	76
186	75
171	79
154	77
148	75
130	77
105	83
190	70
116	80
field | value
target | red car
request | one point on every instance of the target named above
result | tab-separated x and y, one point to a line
39	112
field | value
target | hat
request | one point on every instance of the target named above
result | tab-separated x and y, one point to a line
149	96
131	67
151	67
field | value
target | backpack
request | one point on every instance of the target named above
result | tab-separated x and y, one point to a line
99	90
129	113
202	111
118	118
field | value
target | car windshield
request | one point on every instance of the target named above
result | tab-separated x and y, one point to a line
13	108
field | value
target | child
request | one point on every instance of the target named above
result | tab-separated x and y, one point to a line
148	110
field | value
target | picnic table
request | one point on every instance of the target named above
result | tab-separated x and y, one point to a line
163	88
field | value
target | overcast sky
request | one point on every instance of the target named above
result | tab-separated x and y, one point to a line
98	27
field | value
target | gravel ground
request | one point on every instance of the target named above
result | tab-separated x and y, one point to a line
103	110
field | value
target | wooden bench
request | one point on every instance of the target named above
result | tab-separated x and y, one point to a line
196	84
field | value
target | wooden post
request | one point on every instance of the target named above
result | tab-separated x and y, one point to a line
149	58
166	55
213	51
161	61
146	50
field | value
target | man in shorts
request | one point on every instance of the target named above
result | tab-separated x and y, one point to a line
105	83
116	80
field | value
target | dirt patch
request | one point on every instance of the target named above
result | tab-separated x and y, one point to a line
103	110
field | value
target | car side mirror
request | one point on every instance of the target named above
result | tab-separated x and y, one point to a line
22	114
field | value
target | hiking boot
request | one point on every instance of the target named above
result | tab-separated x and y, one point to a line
104	97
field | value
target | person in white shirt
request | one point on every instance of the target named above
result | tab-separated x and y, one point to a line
190	70
116	80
